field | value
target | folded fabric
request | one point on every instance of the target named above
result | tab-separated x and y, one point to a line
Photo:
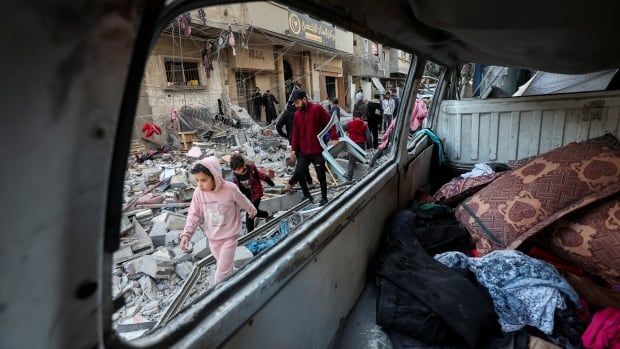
478	170
525	291
604	330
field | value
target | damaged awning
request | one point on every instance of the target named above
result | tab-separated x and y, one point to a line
378	85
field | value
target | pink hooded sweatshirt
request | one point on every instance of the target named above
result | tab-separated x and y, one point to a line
219	208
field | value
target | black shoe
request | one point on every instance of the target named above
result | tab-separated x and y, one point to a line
309	198
323	202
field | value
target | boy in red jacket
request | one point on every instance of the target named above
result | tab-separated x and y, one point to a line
248	178
360	134
310	119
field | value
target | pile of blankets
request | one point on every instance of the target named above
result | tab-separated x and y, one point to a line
537	241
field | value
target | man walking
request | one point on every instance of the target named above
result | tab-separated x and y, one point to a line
389	105
375	118
310	119
270	109
257	101
284	127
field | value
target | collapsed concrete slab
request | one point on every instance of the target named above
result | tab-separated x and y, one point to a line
157	267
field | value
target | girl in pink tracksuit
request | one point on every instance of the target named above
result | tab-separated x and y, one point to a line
216	202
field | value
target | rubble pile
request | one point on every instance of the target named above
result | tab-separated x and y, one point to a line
149	266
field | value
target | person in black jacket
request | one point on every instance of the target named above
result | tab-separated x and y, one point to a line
270	109
375	117
284	127
257	99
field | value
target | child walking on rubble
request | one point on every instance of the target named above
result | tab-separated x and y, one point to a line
248	178
216	203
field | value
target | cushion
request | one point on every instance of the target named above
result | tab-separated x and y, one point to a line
589	238
457	190
522	202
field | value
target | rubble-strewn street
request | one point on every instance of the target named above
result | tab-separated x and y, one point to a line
149	266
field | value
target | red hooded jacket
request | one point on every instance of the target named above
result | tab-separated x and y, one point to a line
307	125
357	130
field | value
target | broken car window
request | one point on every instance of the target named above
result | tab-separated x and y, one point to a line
220	169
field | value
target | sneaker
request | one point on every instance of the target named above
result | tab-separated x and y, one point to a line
323	202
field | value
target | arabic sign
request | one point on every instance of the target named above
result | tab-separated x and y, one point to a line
304	27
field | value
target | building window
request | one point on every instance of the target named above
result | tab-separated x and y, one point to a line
366	49
375	49
181	73
384	55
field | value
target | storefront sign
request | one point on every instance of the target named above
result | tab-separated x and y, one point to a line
304	27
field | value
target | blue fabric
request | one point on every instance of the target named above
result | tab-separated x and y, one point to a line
525	291
435	140
257	246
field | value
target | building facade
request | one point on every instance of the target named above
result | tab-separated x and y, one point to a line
217	56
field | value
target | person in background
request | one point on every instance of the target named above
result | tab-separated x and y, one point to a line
335	108
388	110
360	109
310	119
216	203
248	178
257	101
375	118
270	109
359	133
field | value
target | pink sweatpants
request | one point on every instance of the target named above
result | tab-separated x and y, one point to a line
224	252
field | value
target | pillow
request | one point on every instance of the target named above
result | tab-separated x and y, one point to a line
589	238
457	190
522	202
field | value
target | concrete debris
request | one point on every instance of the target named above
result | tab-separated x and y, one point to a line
242	256
151	175
183	269
158	233
157	267
174	222
172	237
149	268
179	181
149	288
201	249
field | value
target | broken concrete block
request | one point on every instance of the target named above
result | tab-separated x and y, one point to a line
242	256
174	222
185	195
201	249
144	215
149	288
163	253
172	237
151	175
122	255
179	181
157	267
126	224
184	269
158	233
180	255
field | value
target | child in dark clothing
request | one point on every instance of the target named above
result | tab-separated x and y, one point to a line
248	178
